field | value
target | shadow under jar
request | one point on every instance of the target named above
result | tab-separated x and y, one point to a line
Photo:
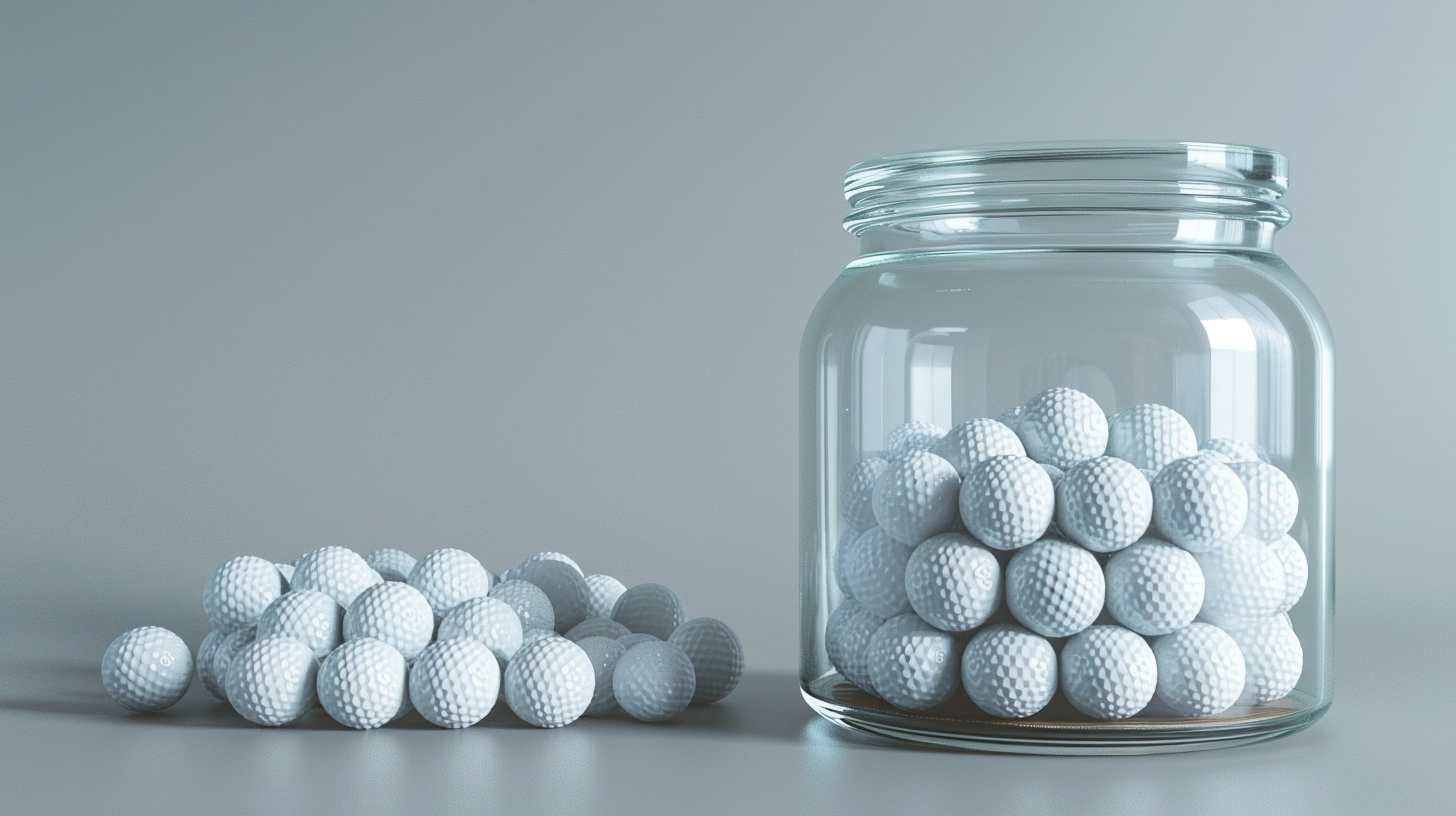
1066	460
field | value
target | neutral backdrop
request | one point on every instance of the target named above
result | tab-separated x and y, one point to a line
523	276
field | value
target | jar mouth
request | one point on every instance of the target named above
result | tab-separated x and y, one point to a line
1204	179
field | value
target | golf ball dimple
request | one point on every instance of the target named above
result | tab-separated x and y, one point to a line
273	681
1243	583
449	576
1273	501
1007	502
915	435
1104	504
913	665
363	683
489	621
337	572
856	492
1150	436
564	585
604	654
394	613
650	609
916	497
1062	426
602	594
550	682
976	440
1229	451
1054	588
147	669
1199	503
1008	671
597	627
654	681
874	569
1273	659
307	615
1108	672
1200	670
1296	570
528	602
1154	587
239	591
391	564
847	636
454	682
716	655
952	582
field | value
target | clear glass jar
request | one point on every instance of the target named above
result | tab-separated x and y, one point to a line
1134	273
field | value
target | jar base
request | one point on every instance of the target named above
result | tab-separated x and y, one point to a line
1058	730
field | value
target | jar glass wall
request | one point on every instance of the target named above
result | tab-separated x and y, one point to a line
1126	275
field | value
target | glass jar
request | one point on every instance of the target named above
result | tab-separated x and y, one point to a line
1124	543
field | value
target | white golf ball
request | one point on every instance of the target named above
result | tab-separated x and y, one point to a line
528	602
564	585
604	654
847	636
1229	451
1150	436
1108	672
1054	588
454	682
489	621
203	663
363	683
716	655
338	572
1104	504
1273	502
554	556
1063	426
1200	670
856	493
874	568
1296	570
913	665
1154	587
1273	659
976	440
449	576
915	435
1007	502
394	613
1243	583
147	669
952	582
550	682
597	627
239	591
654	681
916	496
1199	503
602	594
651	609
391	564
272	681
307	615
1008	671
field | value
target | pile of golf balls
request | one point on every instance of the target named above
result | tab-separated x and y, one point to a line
1058	549
371	638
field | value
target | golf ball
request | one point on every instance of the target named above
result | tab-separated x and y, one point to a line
916	497
1273	502
1273	659
976	440
654	681
602	594
1150	436
1229	451
362	684
528	602
563	585
1108	672
1200	670
454	682
915	435
952	582
1063	426
1154	587
222	658
1007	502
338	572
273	681
1199	503
651	609
1243	583
550	682
1104	504
391	564
913	665
716	655
874	569
489	621
1008	671
239	591
307	615
856	492
1054	588
395	613
847	636
448	576
147	669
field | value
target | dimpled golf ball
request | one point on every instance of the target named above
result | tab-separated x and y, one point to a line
550	682
454	682
222	658
1154	587
239	591
391	564
856	491
490	621
1108	672
202	664
273	681
448	576
654	681
952	582
1273	659
1229	451
602	593
564	585
915	435
716	655
604	654
628	641
1243	583
1008	671
976	440
1104	504
913	665
363	683
651	609
1054	588
307	615
395	613
337	572
529	603
147	669
1296	570
1199	503
1200	670
916	497
1150	436
597	627
874	568
1007	502
1063	426
847	636
1273	502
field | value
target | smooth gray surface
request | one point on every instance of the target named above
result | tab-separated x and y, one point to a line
527	276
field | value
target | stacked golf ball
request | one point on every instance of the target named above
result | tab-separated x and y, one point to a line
1057	548
371	638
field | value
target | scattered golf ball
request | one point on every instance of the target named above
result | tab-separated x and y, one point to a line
847	636
912	664
602	594
528	601
1007	502
650	609
239	592
362	684
874	569
1243	583
1199	503
1008	671
394	613
976	440
550	682
1062	426
716	655
147	669
307	615
916	497
1154	587
337	572
489	621
391	564
1108	672
1054	588
1200	670
454	682
654	681
1104	504
952	582
1273	502
448	576
272	681
1150	436
1273	659
915	435
604	654
856	491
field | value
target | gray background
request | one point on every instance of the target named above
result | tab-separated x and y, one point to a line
513	277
